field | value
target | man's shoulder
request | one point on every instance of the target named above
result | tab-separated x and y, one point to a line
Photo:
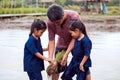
69	12
72	14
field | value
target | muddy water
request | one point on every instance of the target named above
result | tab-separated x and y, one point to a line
105	55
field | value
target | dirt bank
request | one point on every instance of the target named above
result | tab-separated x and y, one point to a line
102	23
92	23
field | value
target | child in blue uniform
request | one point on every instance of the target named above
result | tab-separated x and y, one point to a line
81	61
33	52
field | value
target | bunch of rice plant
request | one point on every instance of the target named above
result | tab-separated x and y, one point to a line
53	68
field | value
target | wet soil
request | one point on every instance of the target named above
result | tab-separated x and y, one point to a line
92	23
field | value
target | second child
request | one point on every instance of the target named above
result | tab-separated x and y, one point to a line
33	52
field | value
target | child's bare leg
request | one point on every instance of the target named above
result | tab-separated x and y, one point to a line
55	76
88	77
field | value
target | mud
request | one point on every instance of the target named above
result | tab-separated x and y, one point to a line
110	24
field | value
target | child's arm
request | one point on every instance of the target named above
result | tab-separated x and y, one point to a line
70	47
82	63
45	49
87	46
42	57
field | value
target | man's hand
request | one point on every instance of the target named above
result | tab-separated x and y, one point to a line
50	60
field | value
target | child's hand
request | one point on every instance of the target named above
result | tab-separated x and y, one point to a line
49	60
81	67
64	60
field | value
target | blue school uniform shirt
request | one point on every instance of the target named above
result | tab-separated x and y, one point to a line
82	47
31	62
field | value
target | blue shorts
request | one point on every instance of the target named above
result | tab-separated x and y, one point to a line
34	75
71	71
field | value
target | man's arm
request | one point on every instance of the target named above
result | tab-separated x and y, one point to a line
51	48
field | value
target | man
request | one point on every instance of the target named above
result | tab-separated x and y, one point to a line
58	24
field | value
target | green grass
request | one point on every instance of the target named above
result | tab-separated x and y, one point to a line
112	10
72	7
22	10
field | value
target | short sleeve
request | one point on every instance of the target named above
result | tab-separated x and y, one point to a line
51	31
76	16
31	47
87	46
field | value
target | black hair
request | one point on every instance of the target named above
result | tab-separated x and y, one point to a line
55	12
38	24
77	24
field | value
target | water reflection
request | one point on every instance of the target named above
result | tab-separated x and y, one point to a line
105	55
